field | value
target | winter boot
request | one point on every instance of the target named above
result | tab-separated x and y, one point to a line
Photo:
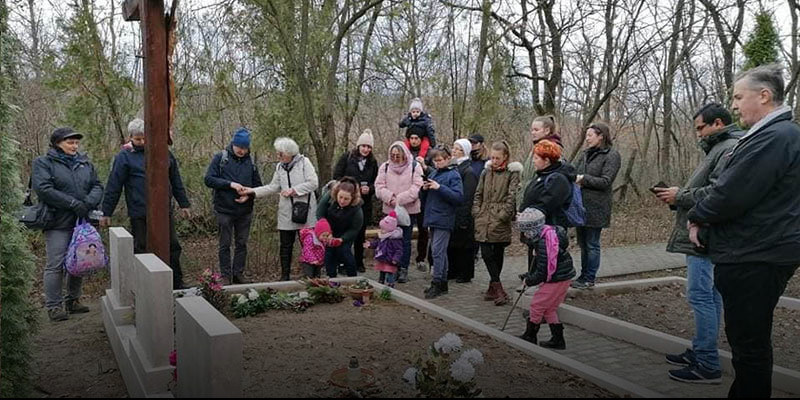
557	341
75	307
434	291
285	269
443	287
531	330
491	293
402	275
502	296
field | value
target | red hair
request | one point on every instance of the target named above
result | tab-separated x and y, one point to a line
549	150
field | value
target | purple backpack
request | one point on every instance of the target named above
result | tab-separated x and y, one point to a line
86	253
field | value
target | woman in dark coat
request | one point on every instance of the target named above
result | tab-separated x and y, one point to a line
597	168
462	241
66	181
360	164
551	191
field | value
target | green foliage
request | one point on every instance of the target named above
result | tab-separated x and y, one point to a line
256	302
95	89
763	44
18	313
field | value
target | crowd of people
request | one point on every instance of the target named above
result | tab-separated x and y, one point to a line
737	218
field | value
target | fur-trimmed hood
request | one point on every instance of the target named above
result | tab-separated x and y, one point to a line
513	167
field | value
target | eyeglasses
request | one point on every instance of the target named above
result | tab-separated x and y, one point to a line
700	127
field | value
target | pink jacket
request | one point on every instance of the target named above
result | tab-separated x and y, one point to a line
311	253
400	188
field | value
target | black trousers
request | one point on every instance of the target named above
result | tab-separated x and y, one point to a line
750	292
139	227
359	243
287	245
493	254
462	263
236	228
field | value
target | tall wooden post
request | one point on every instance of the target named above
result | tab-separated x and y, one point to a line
156	120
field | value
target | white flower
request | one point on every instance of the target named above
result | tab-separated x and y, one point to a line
241	299
410	376
252	294
472	356
303	295
462	370
448	343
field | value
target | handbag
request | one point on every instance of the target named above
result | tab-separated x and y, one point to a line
35	216
299	209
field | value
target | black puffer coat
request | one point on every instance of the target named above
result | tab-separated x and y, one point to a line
599	168
551	193
63	187
463	236
537	261
348	166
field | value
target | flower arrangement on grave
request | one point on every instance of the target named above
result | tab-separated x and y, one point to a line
445	370
256	302
362	284
211	289
323	291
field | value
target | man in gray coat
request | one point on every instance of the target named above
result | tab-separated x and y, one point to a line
717	135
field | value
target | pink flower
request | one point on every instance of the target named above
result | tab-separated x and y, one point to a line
216	287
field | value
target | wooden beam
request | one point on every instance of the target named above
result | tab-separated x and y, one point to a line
156	120
130	10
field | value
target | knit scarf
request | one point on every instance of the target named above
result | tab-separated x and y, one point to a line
288	166
551	242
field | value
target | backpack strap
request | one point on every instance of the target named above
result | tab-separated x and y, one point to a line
223	160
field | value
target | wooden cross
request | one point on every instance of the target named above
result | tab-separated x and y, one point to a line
156	119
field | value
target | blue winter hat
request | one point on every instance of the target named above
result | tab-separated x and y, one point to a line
241	138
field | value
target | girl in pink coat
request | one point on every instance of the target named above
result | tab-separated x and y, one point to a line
398	184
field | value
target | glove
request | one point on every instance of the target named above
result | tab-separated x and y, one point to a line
335	242
80	209
528	278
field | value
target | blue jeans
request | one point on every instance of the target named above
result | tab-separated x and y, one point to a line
340	255
408	232
589	240
706	304
439	242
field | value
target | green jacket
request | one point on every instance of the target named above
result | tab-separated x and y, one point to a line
698	186
494	206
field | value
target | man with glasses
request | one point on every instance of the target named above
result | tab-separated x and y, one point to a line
717	135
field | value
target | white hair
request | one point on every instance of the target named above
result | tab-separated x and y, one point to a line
136	127
287	146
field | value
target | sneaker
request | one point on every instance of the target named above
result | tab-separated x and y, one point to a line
75	307
57	314
422	266
581	285
684	359
402	276
695	373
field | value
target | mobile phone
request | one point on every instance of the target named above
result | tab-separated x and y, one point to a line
660	184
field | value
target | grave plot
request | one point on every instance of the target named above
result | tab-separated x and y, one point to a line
293	354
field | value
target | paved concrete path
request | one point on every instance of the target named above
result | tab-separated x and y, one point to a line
625	360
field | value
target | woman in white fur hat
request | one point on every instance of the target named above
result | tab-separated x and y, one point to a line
360	164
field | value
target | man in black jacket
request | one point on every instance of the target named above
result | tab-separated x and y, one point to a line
753	217
128	173
718	134
231	170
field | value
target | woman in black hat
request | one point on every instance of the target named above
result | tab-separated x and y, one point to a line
66	181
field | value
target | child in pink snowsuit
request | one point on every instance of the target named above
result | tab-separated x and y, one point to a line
312	254
551	266
389	249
